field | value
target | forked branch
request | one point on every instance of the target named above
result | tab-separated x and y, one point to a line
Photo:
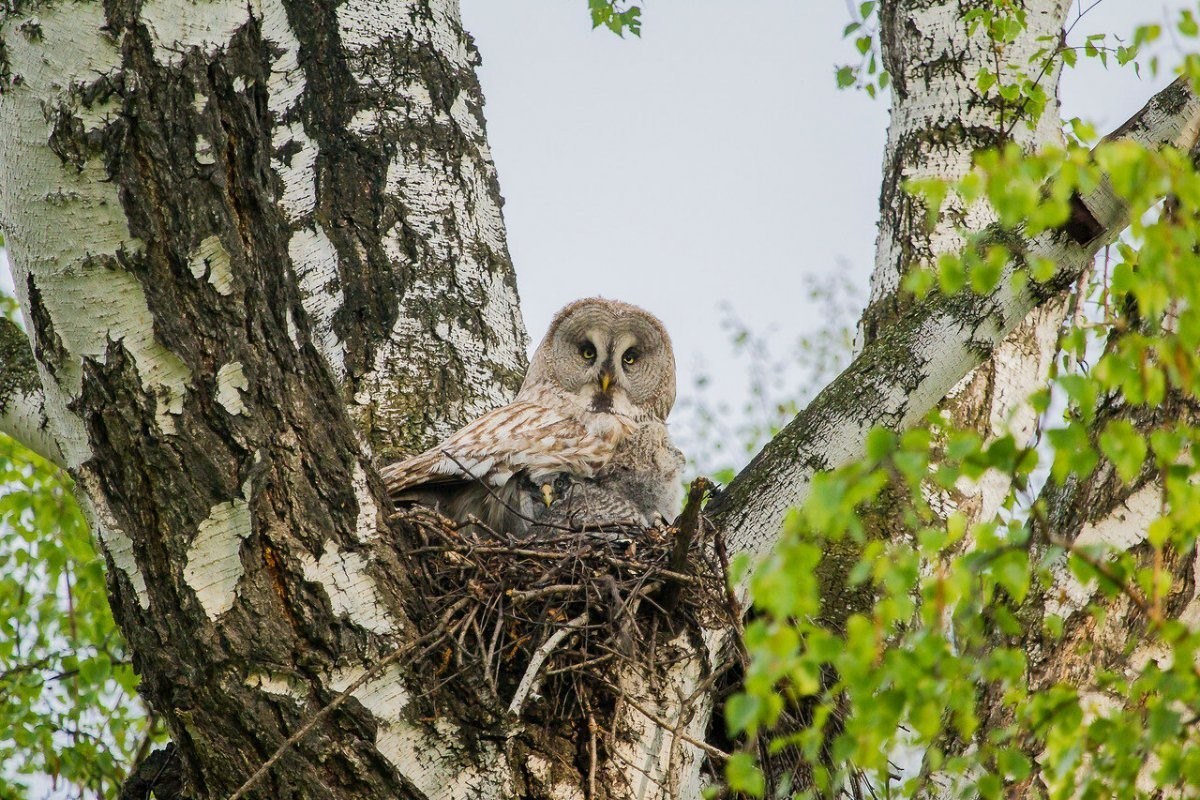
900	377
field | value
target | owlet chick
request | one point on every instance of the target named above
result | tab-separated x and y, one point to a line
639	487
603	372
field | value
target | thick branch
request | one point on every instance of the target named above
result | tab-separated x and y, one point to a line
22	407
897	379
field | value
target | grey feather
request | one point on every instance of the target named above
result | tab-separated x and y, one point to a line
641	487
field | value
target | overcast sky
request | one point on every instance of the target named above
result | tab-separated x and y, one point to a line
710	160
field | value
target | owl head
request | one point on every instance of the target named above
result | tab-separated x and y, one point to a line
610	355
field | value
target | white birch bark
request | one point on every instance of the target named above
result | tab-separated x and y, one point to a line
417	323
939	120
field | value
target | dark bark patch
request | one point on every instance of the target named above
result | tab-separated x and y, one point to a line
19	375
1082	226
48	346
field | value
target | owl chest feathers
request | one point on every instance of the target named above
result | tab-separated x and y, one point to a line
538	435
582	448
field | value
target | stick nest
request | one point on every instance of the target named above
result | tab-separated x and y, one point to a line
559	615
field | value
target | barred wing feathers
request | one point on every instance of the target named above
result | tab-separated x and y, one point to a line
520	436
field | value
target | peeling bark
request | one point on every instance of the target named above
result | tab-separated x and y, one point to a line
22	406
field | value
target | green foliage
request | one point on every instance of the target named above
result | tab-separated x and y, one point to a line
934	659
868	74
946	627
68	704
617	16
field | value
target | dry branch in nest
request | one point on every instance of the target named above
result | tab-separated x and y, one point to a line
548	620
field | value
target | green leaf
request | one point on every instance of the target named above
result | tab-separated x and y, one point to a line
1124	447
1011	570
743	775
881	442
742	713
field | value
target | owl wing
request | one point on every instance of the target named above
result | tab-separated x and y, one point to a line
520	436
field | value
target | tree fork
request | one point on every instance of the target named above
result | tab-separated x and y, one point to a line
902	375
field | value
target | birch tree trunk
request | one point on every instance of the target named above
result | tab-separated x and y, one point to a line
939	120
253	243
259	250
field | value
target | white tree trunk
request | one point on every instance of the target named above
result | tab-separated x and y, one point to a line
235	230
939	121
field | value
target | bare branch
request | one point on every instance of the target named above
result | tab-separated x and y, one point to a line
539	658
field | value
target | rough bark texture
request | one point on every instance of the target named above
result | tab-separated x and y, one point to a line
237	230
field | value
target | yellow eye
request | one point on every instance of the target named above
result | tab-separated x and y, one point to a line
630	357
587	351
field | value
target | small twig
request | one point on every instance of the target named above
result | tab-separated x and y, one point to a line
687	526
539	657
591	662
464	627
673	750
591	755
490	663
143	748
1106	572
1099	566
735	608
547	591
591	725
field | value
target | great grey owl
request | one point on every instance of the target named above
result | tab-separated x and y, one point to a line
587	430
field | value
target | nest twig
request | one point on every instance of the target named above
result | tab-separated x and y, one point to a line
565	608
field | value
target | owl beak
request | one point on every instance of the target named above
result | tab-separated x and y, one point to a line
547	494
606	377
